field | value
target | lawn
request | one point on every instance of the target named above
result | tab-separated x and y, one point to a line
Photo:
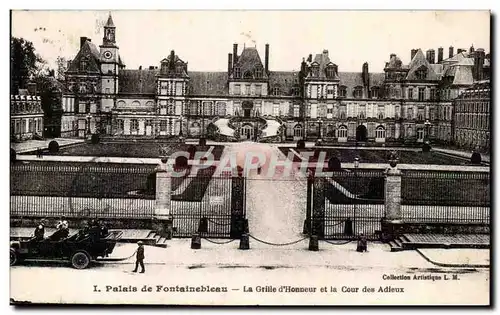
380	156
130	149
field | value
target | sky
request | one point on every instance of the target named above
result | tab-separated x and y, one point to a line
204	38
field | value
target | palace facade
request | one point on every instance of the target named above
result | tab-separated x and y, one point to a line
405	103
26	114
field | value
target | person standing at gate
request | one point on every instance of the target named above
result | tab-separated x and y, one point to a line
139	257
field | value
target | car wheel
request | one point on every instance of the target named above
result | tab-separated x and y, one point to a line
80	260
13	257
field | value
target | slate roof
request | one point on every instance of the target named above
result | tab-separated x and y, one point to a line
90	51
353	79
285	80
394	63
323	60
463	75
110	22
208	83
249	60
137	81
417	63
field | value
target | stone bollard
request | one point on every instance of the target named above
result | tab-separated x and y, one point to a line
196	241
313	243
244	241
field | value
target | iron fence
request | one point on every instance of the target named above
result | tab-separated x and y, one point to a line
445	196
82	190
353	204
217	200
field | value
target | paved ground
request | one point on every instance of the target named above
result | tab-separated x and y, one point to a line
457	256
337	266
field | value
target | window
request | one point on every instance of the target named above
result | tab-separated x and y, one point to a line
296	91
276	109
298	131
380	112
83	64
342	91
342	132
93	108
397	112
410	93
276	90
362	112
358	92
374	92
30	125
81	107
237	73
433	94
314	91
329	110
83	88
421	74
178	107
248	75
258	72
330	72
296	110
258	89
410	113
315	71
248	89
134	125
329	90
421	113
380	132
420	134
421	94
237	89
107	91
178	88
120	126
343	112
163	125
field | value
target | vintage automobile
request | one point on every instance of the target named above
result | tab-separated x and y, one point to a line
79	248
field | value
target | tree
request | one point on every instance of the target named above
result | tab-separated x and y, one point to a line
24	63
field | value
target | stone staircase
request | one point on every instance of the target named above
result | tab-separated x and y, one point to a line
414	241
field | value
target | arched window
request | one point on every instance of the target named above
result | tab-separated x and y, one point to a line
358	92
298	131
380	133
342	132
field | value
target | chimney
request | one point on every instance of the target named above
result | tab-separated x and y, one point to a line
266	61
392	56
460	50
82	41
229	63
413	53
429	56
31	87
235	54
471	49
440	54
140	67
450	54
365	75
151	67
172	60
432	56
310	58
479	57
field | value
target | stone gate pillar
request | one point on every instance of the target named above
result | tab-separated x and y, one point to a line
318	207
237	207
392	220
162	214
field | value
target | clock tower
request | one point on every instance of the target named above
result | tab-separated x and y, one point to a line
110	65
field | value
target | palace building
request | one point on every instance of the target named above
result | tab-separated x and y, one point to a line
26	114
405	103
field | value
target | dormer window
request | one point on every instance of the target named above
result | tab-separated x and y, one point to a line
258	73
374	92
358	92
315	71
330	72
421	74
178	69
83	64
276	90
342	91
237	73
